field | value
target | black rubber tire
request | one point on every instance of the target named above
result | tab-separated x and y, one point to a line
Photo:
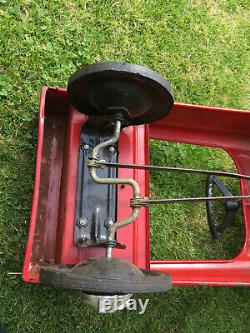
110	87
126	279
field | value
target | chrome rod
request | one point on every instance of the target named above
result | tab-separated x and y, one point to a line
94	162
146	202
173	169
93	165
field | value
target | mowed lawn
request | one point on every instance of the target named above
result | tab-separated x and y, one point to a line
201	47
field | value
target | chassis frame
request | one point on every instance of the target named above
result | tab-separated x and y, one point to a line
51	238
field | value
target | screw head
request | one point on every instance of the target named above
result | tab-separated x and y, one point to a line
85	147
110	223
82	222
111	149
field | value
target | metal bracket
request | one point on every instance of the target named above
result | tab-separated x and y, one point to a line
96	204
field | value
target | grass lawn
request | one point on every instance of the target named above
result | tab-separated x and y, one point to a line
201	48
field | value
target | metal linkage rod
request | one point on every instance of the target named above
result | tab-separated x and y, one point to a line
173	169
93	165
94	162
147	202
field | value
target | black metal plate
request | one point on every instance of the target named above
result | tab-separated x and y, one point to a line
104	88
96	204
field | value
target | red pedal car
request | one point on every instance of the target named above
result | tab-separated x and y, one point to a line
89	225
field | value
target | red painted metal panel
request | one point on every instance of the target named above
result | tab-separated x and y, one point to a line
223	128
53	208
52	217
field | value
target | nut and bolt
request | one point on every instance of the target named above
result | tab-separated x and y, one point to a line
110	223
82	222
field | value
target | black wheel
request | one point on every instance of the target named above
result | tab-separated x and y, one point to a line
231	207
106	276
140	94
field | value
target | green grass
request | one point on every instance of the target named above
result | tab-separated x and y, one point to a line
180	231
202	48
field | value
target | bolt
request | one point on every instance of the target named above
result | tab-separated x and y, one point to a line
111	149
85	147
82	222
110	223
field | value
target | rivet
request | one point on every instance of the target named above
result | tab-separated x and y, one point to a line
82	222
